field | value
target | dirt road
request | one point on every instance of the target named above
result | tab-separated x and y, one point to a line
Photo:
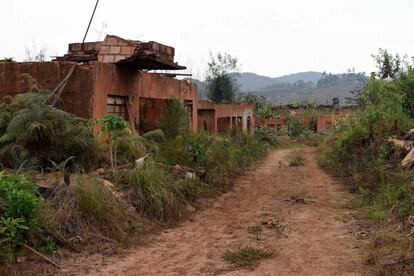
299	209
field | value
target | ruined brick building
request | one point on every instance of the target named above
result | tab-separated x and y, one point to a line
113	76
220	118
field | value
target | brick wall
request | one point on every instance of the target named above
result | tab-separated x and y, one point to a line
325	122
77	95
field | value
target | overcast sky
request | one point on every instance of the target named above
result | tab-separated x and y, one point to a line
271	38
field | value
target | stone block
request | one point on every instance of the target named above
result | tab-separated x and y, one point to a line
108	59
127	50
119	57
114	49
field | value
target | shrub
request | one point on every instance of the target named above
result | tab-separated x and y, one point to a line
19	211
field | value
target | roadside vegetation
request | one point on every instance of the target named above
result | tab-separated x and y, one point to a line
366	149
65	188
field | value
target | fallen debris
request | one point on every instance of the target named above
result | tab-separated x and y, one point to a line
139	163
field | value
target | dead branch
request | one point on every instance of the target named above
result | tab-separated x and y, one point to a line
41	255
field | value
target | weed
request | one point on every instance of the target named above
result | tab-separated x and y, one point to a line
46	245
246	257
255	230
296	160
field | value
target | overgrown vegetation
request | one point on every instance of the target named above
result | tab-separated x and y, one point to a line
89	199
19	213
33	133
360	150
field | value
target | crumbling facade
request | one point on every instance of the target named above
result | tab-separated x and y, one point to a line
275	124
111	76
221	118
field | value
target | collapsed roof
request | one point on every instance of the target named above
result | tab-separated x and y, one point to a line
137	54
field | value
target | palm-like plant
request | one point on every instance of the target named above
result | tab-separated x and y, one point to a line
33	133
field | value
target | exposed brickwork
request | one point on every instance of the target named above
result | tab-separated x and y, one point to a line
77	95
325	122
114	49
276	124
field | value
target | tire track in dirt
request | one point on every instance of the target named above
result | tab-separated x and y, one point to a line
314	240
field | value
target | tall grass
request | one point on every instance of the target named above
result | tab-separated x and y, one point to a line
152	191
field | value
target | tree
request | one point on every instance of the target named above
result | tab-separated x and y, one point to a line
221	85
335	102
175	120
388	65
34	54
113	126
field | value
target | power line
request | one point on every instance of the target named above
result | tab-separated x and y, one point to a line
90	21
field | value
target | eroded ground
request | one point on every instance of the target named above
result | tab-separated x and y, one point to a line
299	209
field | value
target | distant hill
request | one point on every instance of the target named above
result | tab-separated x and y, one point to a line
303	76
297	87
252	81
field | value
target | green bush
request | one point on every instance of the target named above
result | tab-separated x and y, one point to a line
19	211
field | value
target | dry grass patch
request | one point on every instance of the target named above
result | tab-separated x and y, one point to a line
88	212
246	257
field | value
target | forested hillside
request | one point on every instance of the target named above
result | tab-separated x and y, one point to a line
304	86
